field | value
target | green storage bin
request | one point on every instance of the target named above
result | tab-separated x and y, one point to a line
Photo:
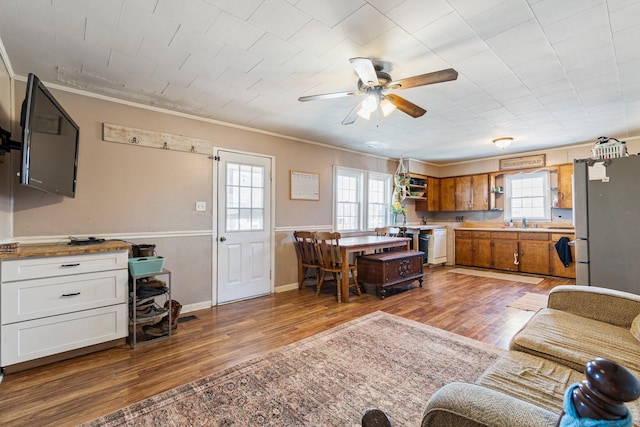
146	265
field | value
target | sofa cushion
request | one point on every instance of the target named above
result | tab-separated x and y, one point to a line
537	381
635	327
573	340
530	378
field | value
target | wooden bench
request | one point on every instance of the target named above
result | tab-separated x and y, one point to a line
389	269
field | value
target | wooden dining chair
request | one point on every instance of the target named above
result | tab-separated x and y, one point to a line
329	258
391	232
388	231
307	255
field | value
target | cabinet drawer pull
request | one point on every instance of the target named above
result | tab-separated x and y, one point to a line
73	294
70	265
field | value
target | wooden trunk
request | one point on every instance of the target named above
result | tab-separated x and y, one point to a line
389	269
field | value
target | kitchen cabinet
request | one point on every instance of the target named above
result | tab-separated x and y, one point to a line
432	202
480	192
448	194
465	193
565	186
482	256
534	253
473	248
505	250
52	305
433	194
463	248
556	267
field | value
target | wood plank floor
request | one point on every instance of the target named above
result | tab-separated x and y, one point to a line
73	391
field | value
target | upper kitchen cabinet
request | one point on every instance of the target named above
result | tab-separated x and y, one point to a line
447	194
465	193
432	202
480	192
565	188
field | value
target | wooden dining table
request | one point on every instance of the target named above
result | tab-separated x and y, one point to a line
356	244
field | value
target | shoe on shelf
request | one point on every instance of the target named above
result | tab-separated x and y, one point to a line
150	291
151	311
162	327
154	283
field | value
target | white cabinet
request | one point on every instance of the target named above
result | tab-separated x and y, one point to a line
54	304
438	246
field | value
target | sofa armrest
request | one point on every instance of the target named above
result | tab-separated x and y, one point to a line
469	405
605	305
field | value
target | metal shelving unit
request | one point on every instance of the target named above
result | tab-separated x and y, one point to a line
135	322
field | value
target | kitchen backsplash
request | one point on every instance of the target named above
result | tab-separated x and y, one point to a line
557	215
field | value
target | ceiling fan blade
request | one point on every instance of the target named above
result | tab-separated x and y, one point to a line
327	96
424	79
353	115
405	106
365	71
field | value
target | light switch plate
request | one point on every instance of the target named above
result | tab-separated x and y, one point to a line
201	206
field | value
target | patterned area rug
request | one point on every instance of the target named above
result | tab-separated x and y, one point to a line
502	276
530	301
329	379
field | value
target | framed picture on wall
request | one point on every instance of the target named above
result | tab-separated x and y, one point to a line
305	186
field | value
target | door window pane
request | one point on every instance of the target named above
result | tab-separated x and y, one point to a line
245	197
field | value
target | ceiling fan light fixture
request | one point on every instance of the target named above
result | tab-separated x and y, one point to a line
503	142
370	103
364	113
387	107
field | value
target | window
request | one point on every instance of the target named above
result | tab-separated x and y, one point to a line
361	199
379	200
528	196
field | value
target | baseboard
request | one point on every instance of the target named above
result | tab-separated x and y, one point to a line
195	307
289	287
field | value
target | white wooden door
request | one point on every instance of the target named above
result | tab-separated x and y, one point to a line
244	226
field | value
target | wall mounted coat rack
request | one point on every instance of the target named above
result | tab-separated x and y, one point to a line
152	139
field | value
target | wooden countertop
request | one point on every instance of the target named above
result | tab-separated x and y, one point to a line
58	249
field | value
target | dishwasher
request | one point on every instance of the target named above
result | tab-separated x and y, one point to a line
437	246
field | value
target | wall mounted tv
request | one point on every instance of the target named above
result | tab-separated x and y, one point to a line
50	140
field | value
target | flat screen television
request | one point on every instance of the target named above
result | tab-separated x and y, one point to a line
50	140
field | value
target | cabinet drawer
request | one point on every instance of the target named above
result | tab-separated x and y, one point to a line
510	235
533	236
556	236
38	268
481	234
463	233
43	337
32	299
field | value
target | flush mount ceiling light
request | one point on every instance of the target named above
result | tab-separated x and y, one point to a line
503	142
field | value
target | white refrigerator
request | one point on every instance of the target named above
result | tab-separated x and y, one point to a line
606	213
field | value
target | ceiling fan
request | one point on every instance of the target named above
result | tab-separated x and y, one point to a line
373	81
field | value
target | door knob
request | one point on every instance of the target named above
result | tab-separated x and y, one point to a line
222	239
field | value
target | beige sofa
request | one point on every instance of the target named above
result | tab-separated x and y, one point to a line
525	386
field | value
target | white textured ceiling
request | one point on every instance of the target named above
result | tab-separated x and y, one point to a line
549	73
